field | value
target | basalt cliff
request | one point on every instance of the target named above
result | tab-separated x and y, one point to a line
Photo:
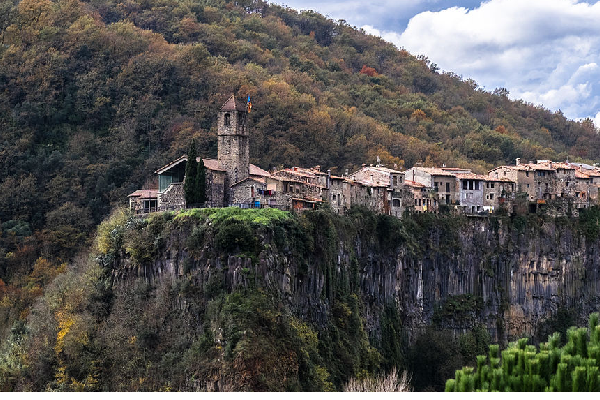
509	275
230	299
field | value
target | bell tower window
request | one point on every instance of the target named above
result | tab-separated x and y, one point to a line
227	120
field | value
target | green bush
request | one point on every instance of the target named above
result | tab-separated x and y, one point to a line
524	368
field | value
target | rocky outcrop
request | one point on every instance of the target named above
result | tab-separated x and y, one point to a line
495	272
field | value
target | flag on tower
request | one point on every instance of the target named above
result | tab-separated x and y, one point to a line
249	104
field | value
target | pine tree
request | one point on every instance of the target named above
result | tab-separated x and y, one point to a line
200	191
191	170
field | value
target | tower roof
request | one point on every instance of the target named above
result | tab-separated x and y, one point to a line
233	105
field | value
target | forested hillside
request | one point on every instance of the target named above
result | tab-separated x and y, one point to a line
96	95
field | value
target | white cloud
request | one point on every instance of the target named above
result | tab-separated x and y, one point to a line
544	51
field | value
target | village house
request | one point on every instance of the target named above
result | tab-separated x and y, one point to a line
442	181
291	193
143	201
594	180
470	192
538	180
421	195
497	193
232	181
372	178
337	199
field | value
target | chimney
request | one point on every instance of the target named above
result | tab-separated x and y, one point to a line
518	161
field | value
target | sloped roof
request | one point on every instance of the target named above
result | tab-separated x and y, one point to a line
580	175
233	105
259	181
414	184
589	172
209	163
145	194
434	171
471	176
254	170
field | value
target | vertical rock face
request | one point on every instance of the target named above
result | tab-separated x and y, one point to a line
483	272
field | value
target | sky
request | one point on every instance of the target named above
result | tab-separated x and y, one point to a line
546	52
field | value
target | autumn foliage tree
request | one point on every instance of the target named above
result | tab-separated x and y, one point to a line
98	95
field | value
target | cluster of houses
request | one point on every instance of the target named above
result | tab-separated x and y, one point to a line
232	181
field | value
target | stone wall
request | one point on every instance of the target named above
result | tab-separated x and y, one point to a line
172	199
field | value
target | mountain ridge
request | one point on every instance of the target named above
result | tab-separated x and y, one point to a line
98	94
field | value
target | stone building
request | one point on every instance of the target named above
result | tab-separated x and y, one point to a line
371	195
538	180
470	192
421	197
375	177
337	199
443	182
232	139
143	201
170	184
594	182
498	193
230	179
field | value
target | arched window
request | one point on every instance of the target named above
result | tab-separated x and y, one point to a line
396	202
227	120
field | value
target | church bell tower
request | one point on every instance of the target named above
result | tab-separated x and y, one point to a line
233	140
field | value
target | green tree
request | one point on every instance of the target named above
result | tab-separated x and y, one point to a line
200	188
191	171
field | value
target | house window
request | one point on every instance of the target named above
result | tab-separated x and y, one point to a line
492	185
396	202
227	119
395	180
491	196
526	173
528	186
464	185
447	186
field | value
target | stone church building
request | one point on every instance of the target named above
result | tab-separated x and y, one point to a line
230	179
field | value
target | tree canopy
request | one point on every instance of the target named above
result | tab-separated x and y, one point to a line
98	94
